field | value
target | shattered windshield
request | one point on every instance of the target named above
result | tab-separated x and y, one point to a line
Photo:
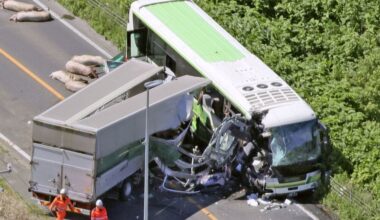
295	143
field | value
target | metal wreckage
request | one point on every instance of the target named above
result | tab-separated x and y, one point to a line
217	145
207	150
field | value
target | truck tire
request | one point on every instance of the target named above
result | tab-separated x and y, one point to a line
125	190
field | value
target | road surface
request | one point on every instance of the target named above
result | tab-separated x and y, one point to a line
29	52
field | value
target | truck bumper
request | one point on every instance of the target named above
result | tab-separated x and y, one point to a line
312	181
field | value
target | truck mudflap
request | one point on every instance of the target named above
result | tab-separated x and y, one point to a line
274	187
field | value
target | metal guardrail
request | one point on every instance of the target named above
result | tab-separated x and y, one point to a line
351	196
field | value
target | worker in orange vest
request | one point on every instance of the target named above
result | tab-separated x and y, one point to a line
99	212
60	204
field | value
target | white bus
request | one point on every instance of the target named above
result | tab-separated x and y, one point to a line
287	140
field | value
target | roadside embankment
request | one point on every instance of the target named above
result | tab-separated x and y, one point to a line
12	206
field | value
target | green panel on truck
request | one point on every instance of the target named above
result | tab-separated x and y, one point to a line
194	31
167	154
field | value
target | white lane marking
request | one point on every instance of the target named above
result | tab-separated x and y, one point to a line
307	212
74	29
15	147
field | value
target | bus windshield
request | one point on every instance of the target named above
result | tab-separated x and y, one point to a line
295	143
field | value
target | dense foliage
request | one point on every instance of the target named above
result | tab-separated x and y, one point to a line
328	50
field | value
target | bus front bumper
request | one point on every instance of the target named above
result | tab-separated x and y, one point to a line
274	187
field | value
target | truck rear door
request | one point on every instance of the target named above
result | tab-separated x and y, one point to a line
77	175
55	168
46	166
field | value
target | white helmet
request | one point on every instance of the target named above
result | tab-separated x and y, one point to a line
63	191
99	203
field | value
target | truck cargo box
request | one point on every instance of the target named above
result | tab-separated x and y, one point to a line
88	149
108	130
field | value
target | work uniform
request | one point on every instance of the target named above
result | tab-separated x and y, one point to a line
99	214
59	205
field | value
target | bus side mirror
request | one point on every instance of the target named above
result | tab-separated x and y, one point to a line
325	137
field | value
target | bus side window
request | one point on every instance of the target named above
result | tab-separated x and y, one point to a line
136	43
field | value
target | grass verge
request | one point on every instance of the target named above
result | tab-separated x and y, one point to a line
13	207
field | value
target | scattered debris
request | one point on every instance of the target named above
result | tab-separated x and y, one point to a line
77	69
64	77
35	16
18	6
75	86
288	202
213	179
25	11
264	202
273	206
89	60
80	69
252	200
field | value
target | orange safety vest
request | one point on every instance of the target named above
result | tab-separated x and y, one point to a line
61	203
99	214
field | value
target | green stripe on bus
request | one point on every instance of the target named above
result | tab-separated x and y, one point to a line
311	179
194	31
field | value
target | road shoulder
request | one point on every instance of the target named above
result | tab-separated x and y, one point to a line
80	25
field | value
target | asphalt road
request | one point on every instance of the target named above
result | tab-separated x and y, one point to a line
45	47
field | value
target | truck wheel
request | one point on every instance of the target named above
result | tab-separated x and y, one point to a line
125	190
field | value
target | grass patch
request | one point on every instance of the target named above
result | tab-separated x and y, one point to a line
12	206
3	150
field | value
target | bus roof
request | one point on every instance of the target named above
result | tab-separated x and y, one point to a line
248	83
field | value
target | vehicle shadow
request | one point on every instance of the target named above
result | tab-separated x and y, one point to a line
165	205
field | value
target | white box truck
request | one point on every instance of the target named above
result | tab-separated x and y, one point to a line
93	140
